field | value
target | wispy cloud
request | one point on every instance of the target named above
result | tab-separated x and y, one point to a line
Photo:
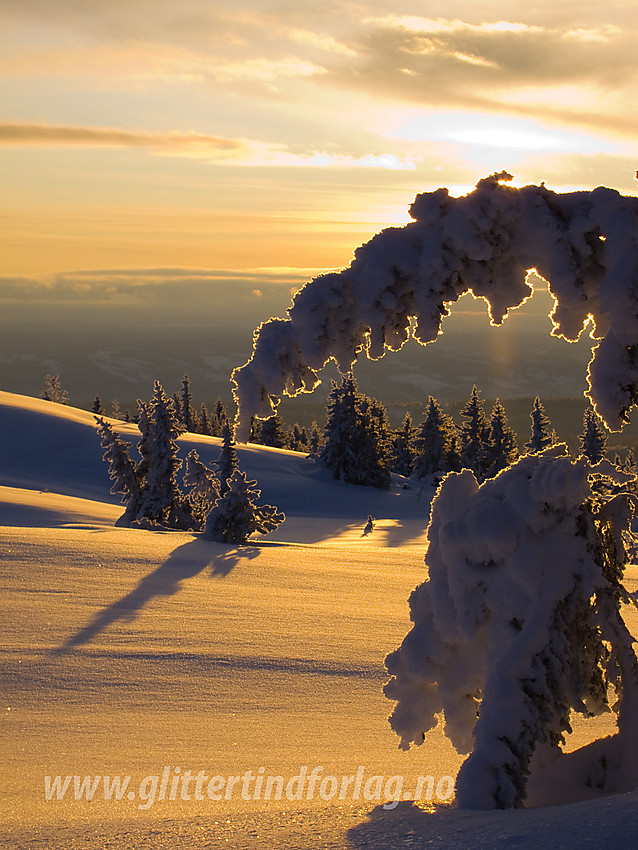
42	134
249	153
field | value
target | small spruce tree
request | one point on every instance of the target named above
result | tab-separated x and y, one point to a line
202	486
187	417
542	434
236	515
226	463
502	450
436	443
593	441
122	470
161	499
403	450
53	390
272	432
475	437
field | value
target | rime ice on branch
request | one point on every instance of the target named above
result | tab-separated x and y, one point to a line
585	244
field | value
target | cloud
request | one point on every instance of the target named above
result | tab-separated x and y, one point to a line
249	153
481	66
147	285
42	134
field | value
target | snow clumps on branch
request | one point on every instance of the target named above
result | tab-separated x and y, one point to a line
585	244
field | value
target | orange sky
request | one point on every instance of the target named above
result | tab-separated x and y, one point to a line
153	134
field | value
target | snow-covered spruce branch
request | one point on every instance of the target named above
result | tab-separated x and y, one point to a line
518	624
585	244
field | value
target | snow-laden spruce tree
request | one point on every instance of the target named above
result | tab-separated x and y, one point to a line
518	625
436	443
593	440
357	437
542	435
226	463
520	615
403	448
122	470
502	445
202	486
161	500
474	434
236	514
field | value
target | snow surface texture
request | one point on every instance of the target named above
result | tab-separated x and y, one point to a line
585	244
124	650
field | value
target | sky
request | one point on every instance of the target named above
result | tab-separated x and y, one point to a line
150	147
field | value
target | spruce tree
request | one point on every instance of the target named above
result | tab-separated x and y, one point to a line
226	464
235	515
272	432
161	499
97	407
187	417
297	438
202	486
337	452
542	434
204	424
315	439
218	417
593	441
474	436
503	447
436	443
122	470
403	450
53	390
356	447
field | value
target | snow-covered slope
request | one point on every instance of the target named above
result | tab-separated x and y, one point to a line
47	446
133	653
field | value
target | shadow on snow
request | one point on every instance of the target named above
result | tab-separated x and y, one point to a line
184	562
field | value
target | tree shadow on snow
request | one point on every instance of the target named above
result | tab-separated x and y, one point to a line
407	825
184	562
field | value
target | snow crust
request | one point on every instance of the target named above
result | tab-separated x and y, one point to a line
404	281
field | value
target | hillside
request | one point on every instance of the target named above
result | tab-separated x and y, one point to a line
146	654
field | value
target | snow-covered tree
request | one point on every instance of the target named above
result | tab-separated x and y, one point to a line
436	443
226	463
272	432
97	408
202	486
593	440
161	499
502	448
122	470
542	433
341	422
403	448
475	437
53	390
521	606
404	281
186	412
236	515
315	439
297	438
204	424
356	447
218	417
519	624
